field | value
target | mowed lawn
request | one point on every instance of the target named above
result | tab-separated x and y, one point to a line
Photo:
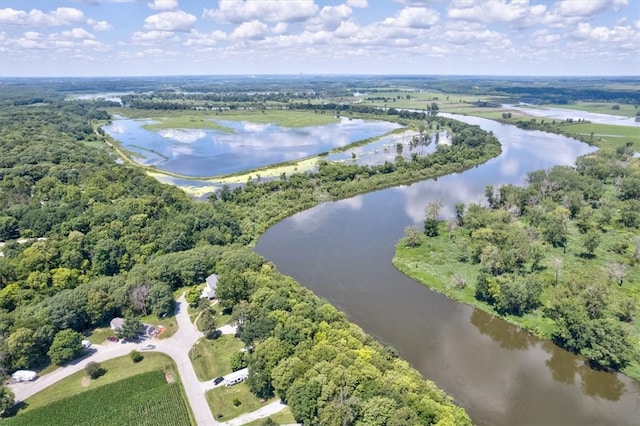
212	358
145	399
228	402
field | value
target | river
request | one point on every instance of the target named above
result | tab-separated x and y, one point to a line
500	374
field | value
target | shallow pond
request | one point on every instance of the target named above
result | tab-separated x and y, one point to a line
502	375
204	152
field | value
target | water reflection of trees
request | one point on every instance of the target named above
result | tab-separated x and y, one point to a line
565	367
506	335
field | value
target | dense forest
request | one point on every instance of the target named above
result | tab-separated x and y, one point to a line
558	256
87	239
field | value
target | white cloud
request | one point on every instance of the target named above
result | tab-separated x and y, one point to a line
414	17
280	28
142	37
357	4
583	8
199	39
163	4
617	34
330	18
99	26
80	33
154	52
37	18
252	30
469	35
239	11
489	11
170	21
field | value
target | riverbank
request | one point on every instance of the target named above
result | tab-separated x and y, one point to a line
577	287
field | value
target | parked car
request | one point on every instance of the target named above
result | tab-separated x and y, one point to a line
218	380
147	347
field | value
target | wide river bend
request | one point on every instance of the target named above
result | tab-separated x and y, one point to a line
500	374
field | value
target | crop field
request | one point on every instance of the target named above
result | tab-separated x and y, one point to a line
145	399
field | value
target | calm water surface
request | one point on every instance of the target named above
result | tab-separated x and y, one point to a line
204	152
503	376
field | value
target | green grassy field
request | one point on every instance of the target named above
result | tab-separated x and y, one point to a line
625	110
283	417
205	119
144	399
212	358
221	401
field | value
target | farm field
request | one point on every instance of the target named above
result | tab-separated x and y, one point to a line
145	399
117	369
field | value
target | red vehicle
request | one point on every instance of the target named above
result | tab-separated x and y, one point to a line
112	338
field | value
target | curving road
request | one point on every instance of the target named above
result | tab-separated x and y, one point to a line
177	347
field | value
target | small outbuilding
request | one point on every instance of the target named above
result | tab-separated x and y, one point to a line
236	377
211	284
23	376
116	323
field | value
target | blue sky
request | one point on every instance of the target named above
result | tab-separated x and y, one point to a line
192	37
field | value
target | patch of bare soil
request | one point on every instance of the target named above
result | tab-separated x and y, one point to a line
86	381
168	375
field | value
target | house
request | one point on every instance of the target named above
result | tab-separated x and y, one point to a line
23	376
116	323
211	284
236	377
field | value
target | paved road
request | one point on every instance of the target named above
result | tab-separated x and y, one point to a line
177	347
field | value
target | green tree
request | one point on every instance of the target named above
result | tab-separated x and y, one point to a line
7	399
432	210
239	361
192	296
21	348
67	345
303	400
8	228
608	345
412	236
130	329
591	241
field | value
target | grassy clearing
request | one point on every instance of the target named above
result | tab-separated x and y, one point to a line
99	335
190	119
625	110
117	369
144	399
283	417
221	401
212	358
605	135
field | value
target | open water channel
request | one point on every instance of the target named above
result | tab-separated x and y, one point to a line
500	374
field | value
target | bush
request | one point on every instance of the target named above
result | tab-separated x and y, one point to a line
94	370
136	356
213	334
236	402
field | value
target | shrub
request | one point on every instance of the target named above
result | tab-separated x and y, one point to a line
94	370
136	356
